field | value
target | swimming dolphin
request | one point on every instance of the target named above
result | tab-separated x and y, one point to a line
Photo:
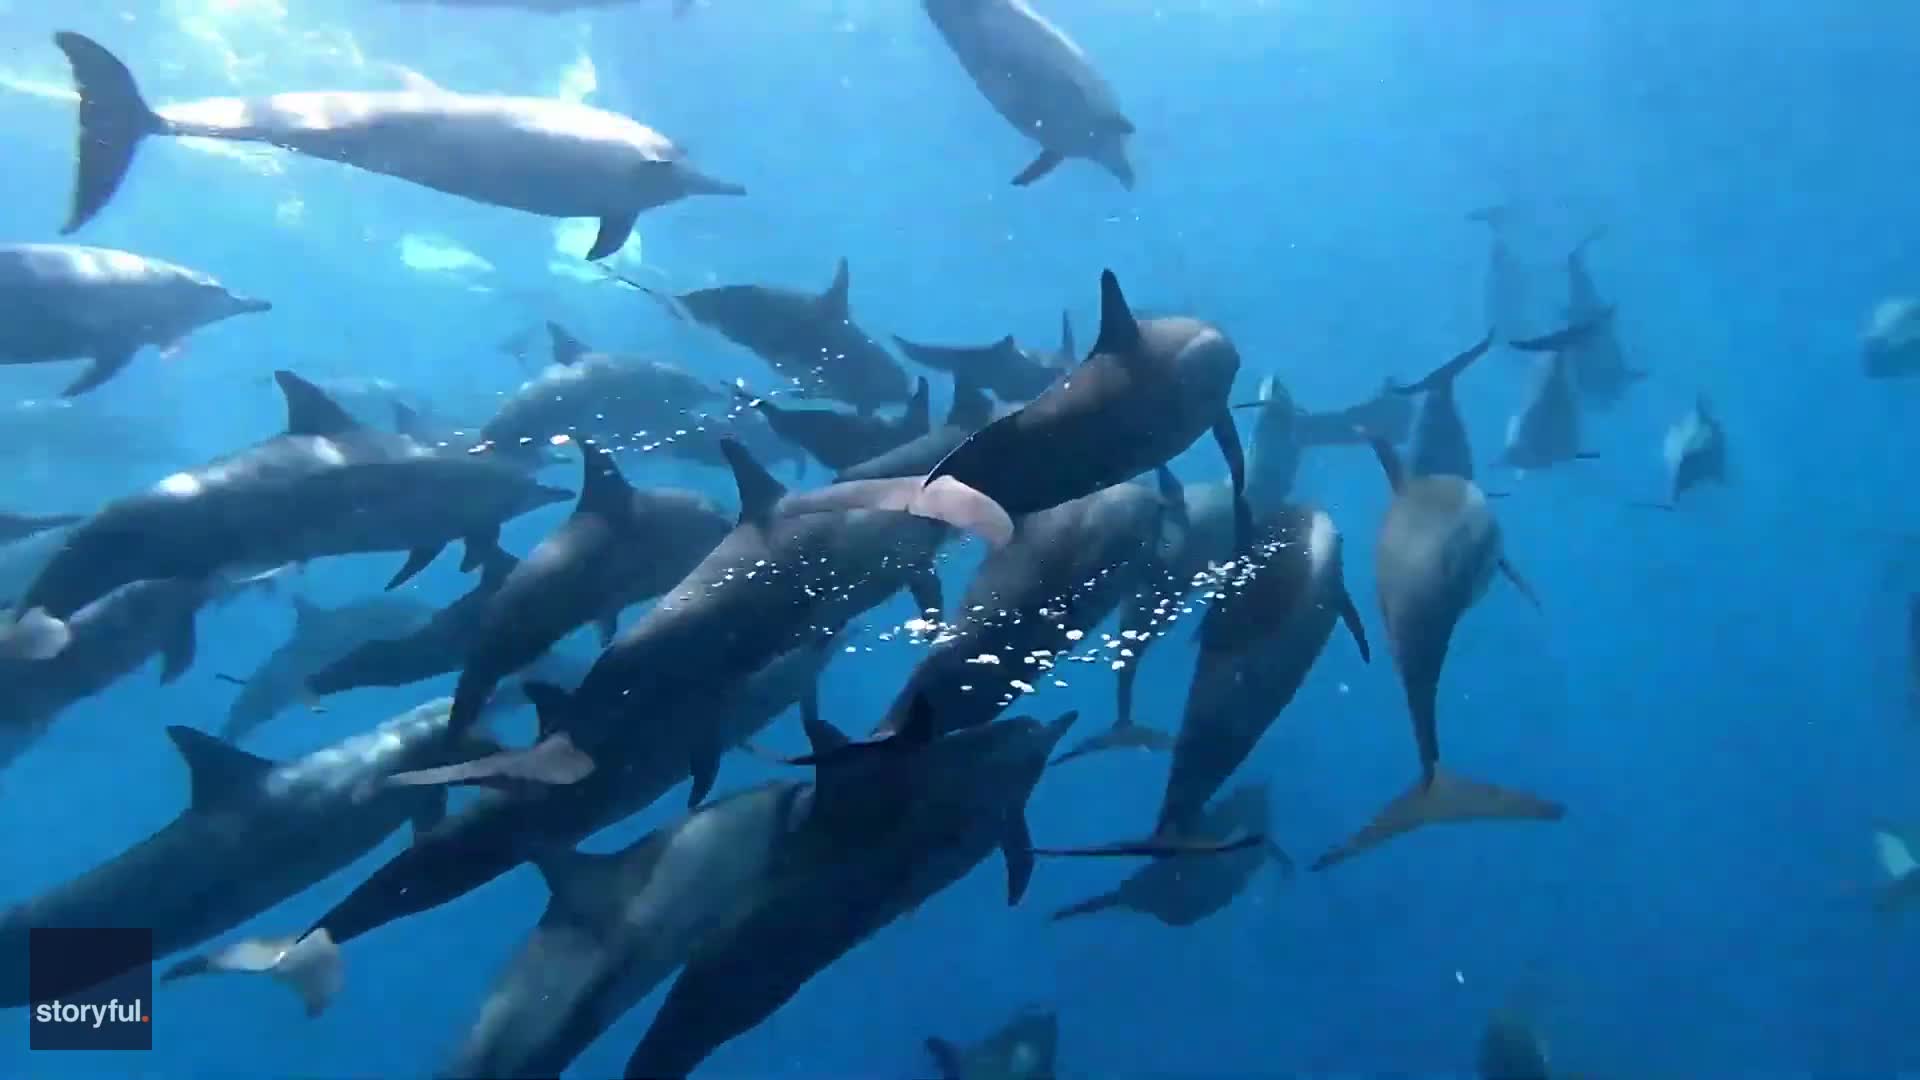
1144	394
67	302
1181	892
1025	1048
841	440
1065	570
1003	368
614	400
253	834
438	646
619	547
970	411
1695	450
1273	454
1506	289
809	338
1546	430
701	443
325	486
1890	345
321	636
1895	847
1387	413
1438	550
1600	369
553	158
20	526
1440	441
1267	625
1042	83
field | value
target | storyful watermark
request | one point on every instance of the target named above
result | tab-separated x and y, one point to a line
90	989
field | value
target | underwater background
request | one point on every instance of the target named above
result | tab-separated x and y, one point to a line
1718	696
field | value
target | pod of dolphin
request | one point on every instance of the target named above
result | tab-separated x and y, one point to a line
1041	456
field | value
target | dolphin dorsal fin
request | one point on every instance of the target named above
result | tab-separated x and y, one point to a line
759	491
309	410
567	349
217	770
415	82
1119	330
834	300
1068	351
603	490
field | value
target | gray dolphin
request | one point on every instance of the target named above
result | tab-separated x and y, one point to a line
552	158
1506	289
970	411
1145	393
438	646
1440	443
321	636
810	338
1181	892
253	834
841	440
1600	369
1897	848
612	399
1063	573
619	547
1003	368
1042	83
67	302
1438	550
1890	344
1024	1048
1546	430
325	486
1695	452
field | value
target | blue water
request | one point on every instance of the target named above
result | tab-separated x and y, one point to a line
1718	695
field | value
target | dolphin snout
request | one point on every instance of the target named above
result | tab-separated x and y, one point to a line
698	183
247	305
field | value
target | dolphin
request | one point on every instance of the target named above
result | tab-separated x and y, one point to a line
1506	289
701	443
553	158
438	646
1510	1049
1895	848
1438	550
321	636
325	486
1146	392
619	547
1387	413
1695	450
1546	430
1600	369
970	411
618	925
1065	570
67	302
1024	1048
1890	345
841	440
809	338
1273	454
1440	441
1268	623
1039	81
1003	368
104	642
615	400
254	833
20	526
1181	892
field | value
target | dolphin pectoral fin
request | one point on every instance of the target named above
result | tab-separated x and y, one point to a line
965	508
821	735
609	627
946	1058
478	548
310	965
417	560
554	760
103	367
1089	906
1350	615
176	656
614	230
429	816
1526	590
1039	167
1017	847
924	583
1443	799
704	764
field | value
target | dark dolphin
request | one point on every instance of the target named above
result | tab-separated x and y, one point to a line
1039	81
1506	289
1145	393
1439	548
440	646
1546	430
326	486
1695	452
67	302
253	834
841	440
619	547
971	410
1600	369
1003	368
321	636
544	156
1024	1048
809	338
1440	443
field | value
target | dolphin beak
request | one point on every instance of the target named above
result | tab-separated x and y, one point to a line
698	183
246	305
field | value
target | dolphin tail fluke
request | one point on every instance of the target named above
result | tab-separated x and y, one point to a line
1439	799
114	117
311	965
101	368
34	635
554	760
1039	167
1449	371
1089	906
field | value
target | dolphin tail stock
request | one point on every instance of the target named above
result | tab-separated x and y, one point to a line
34	635
554	761
1449	371
310	965
1442	798
114	117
